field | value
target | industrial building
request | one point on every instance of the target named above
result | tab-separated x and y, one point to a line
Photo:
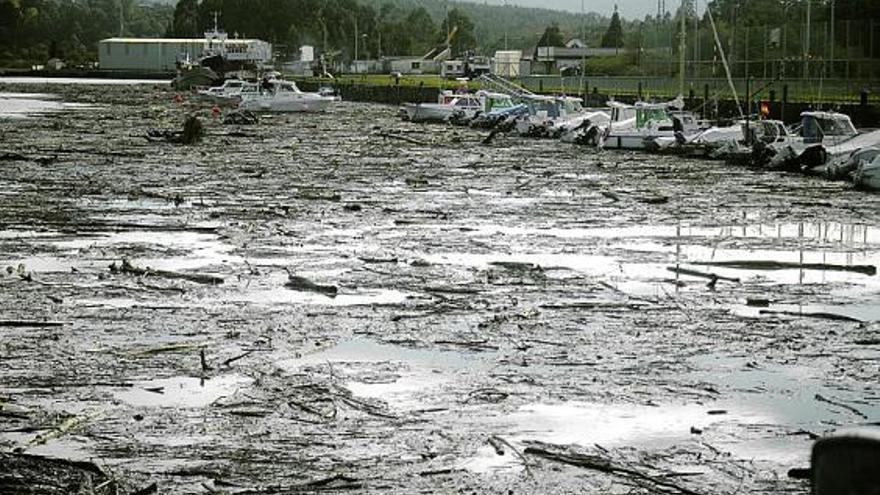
162	54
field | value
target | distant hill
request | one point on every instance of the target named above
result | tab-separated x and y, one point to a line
523	25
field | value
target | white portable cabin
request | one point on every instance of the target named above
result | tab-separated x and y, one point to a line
162	54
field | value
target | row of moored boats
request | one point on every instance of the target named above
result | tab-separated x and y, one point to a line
269	95
823	143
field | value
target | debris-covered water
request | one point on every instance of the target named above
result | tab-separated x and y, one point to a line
461	317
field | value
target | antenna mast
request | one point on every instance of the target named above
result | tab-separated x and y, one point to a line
682	47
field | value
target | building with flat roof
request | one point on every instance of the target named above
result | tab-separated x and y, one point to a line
162	54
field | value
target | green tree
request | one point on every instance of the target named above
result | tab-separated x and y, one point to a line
186	19
552	36
421	32
613	38
464	39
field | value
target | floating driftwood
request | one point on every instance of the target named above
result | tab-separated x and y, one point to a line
819	315
786	265
696	273
841	405
127	268
605	465
26	474
296	282
30	323
62	429
241	117
407	139
192	133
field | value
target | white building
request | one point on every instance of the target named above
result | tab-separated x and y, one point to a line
161	54
507	63
412	66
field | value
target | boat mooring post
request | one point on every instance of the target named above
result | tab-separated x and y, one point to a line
705	99
748	96
784	101
748	111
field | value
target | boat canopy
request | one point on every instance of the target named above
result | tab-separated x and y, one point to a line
647	114
817	125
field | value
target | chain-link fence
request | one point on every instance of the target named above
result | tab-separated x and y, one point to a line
818	90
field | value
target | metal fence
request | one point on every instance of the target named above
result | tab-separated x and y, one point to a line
793	49
794	90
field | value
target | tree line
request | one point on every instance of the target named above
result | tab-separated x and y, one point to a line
33	31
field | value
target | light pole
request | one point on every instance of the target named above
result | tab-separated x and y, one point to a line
807	44
364	43
505	25
831	55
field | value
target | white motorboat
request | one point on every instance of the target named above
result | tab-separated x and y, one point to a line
844	167
229	93
729	141
450	103
651	121
821	135
557	117
867	175
282	96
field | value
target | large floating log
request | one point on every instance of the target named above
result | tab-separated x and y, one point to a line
787	265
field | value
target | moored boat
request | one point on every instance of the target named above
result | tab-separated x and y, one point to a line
652	121
867	175
449	103
282	96
228	94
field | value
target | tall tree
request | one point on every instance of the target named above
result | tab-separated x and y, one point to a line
464	39
186	19
421	31
552	36
613	38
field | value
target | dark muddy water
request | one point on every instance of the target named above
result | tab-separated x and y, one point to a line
527	291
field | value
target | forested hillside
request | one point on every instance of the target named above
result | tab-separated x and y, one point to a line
32	31
771	33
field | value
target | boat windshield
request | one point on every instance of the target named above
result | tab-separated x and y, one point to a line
500	102
836	127
287	86
572	106
645	115
466	102
815	128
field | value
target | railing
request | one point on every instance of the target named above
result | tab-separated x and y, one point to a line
501	85
798	90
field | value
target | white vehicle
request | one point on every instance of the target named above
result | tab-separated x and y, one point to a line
449	103
281	96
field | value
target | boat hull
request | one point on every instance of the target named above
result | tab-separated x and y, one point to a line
626	142
427	112
220	100
287	105
867	176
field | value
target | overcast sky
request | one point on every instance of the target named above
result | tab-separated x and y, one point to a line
628	8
